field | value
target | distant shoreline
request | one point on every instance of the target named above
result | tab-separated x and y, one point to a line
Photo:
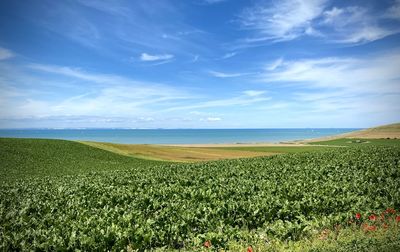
200	137
208	137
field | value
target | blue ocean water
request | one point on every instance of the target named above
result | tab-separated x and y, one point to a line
175	136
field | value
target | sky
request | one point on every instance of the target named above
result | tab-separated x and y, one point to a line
199	63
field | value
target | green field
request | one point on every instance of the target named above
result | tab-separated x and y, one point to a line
279	149
61	195
359	142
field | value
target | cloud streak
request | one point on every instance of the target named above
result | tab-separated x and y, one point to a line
155	57
286	20
227	75
354	24
344	87
282	20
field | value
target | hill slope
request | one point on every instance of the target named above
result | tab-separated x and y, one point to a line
385	131
390	131
38	157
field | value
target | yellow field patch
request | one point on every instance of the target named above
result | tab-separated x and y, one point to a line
175	153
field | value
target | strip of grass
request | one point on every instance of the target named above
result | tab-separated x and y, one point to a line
279	149
359	142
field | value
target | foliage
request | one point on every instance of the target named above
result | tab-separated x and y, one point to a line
139	205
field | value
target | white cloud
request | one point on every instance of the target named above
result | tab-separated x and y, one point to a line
87	94
227	75
354	24
290	19
331	15
342	86
282	20
372	74
243	100
366	34
5	54
155	57
108	79
213	119
253	93
229	55
275	64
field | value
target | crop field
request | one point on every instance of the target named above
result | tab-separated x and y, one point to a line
177	153
61	195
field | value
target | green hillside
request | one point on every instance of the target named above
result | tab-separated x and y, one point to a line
40	157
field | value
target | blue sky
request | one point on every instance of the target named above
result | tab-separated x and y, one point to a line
199	63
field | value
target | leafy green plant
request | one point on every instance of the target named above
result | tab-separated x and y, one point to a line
128	204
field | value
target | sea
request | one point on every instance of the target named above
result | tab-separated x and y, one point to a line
176	136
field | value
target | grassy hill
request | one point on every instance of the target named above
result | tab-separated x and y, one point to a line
387	135
390	131
39	157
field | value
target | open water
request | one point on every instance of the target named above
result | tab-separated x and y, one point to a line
175	136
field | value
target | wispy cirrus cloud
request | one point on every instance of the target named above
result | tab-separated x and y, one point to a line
121	28
376	73
354	24
227	75
245	99
281	20
229	55
275	64
90	94
90	99
155	57
286	20
343	86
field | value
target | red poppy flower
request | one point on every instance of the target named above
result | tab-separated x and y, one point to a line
207	244
398	218
358	216
372	218
249	249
